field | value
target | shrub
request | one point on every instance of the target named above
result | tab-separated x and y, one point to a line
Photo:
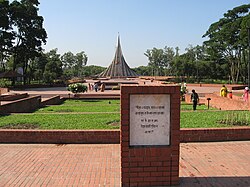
116	88
4	83
77	88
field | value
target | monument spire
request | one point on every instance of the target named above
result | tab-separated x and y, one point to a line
118	67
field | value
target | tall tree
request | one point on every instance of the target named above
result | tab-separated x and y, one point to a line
53	68
37	67
156	60
169	55
73	64
81	60
22	33
6	33
227	38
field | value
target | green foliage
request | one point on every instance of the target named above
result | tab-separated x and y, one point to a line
4	83
77	88
160	60
73	64
91	71
235	119
228	40
208	119
223	56
23	33
53	68
143	70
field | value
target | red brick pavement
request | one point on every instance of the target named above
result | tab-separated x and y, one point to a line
59	165
215	164
201	164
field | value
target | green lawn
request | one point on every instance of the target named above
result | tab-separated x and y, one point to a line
185	106
83	106
80	114
65	121
210	119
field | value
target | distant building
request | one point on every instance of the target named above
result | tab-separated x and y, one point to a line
118	68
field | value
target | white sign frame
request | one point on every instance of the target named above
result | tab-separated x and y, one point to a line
149	119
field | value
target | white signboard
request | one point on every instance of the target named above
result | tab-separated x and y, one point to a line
149	119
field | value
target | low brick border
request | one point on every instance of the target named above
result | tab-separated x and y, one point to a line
113	136
13	97
28	104
214	134
55	100
60	136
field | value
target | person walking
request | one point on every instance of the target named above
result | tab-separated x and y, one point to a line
102	87
194	99
96	86
90	87
246	93
223	91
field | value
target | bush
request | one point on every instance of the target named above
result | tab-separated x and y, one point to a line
5	83
77	88
116	88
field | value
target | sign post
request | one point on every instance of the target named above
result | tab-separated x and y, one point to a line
150	129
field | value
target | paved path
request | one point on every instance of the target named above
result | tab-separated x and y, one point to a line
49	92
62	91
98	165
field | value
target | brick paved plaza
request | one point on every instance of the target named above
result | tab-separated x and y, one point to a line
90	165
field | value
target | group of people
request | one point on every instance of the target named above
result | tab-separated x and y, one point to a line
95	86
224	91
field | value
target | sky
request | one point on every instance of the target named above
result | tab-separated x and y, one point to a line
92	26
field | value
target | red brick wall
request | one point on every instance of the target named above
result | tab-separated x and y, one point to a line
60	136
214	134
13	97
113	136
4	90
23	105
55	100
150	165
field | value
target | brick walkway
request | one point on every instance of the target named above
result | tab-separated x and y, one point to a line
215	164
201	164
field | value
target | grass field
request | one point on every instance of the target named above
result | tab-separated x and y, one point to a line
83	106
210	119
65	121
104	114
185	106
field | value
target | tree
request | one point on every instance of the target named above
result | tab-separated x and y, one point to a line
92	71
168	58
22	33
6	34
143	70
53	68
73	64
81	60
68	60
37	67
156	60
227	39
